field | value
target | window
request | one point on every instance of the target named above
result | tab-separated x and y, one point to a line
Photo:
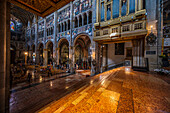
59	28
119	48
85	19
108	12
76	22
105	32
80	21
68	24
102	12
131	6
124	7
115	30
115	8
138	26
62	27
65	29
98	33
125	28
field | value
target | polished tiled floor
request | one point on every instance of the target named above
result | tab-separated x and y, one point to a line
118	90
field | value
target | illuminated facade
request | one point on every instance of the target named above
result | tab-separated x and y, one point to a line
126	32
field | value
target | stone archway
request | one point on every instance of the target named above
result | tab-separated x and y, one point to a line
63	52
82	57
49	47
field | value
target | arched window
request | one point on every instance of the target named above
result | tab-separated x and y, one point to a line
102	12
47	32
115	8
131	6
124	7
85	19
76	22
59	28
90	17
62	27
80	21
65	26
68	24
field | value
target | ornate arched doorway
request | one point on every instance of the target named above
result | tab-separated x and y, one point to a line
64	52
41	46
82	55
50	52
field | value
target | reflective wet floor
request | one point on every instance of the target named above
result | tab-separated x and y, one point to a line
114	91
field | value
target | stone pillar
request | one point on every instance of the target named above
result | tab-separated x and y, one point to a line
87	18
37	56
71	48
45	59
58	55
36	41
4	56
45	29
97	57
71	63
55	39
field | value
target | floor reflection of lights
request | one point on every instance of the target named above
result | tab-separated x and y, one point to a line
127	70
91	81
